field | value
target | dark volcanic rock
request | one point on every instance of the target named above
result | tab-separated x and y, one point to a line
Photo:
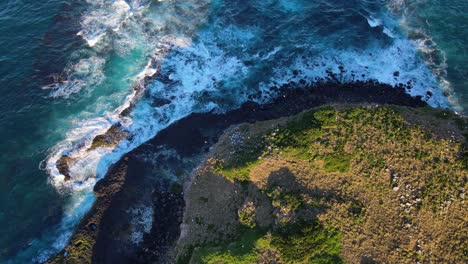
63	166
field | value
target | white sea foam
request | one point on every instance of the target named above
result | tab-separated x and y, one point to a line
386	29
198	77
379	63
104	15
87	72
141	223
91	164
389	32
374	22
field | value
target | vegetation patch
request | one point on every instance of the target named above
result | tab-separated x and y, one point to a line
309	243
238	252
236	173
338	163
247	215
303	243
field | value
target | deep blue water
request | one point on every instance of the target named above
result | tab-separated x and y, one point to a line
28	203
68	69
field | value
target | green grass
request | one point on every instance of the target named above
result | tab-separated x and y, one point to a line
238	252
339	163
309	243
292	200
301	243
236	173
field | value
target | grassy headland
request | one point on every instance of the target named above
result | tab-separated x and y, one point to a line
357	184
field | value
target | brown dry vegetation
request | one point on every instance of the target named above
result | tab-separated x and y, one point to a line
358	184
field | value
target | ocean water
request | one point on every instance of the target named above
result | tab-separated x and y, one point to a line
69	69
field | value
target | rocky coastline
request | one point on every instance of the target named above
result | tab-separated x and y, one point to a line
149	181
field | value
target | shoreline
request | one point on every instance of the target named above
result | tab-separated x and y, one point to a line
133	179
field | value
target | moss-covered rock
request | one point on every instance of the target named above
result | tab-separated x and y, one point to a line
111	138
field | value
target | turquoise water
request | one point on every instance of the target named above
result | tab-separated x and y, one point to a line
68	69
